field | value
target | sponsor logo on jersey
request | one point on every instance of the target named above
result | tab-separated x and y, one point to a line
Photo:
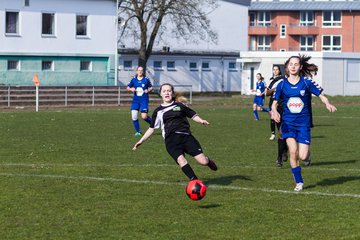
302	92
176	109
139	91
295	104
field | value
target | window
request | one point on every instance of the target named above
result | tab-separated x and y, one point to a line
306	18
193	66
26	3
282	31
12	23
264	18
48	23
157	65
306	43
85	66
205	66
252	19
232	66
331	43
13	65
170	65
264	42
128	65
332	18
81	25
47	65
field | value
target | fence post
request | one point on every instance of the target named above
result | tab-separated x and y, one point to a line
93	96
8	98
119	95
66	96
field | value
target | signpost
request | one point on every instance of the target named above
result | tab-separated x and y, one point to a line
37	83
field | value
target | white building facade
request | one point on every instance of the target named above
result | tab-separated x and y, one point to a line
66	42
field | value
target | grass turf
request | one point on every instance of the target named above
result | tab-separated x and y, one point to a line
71	174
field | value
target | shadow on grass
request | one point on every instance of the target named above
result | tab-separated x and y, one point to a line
209	206
334	181
317	136
227	180
333	163
323	125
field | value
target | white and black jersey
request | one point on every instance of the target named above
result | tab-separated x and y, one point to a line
172	118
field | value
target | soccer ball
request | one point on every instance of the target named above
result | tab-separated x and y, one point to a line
196	189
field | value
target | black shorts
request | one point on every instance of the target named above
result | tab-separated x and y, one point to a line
178	144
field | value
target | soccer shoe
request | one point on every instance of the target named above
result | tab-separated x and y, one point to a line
138	134
279	162
307	162
212	165
272	137
299	187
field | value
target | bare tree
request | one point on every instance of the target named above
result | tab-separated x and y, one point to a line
147	22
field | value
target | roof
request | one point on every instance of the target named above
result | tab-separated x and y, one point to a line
310	6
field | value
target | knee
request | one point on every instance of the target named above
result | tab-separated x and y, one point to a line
134	115
303	156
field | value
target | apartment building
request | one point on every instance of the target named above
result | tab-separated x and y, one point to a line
66	42
299	25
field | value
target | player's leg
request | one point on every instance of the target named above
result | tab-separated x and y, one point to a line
134	116
144	109
186	168
255	112
193	148
294	162
304	146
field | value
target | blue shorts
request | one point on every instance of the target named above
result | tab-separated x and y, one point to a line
258	100
300	134
142	106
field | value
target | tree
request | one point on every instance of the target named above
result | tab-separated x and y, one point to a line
148	21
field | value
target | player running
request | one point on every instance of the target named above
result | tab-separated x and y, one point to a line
259	96
296	91
141	86
172	116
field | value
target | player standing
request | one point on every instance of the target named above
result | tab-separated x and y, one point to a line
172	116
259	96
296	91
141	86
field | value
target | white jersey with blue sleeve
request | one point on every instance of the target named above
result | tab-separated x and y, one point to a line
297	100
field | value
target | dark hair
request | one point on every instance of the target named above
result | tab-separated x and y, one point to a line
278	66
261	77
307	69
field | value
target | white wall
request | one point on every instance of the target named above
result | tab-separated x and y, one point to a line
101	27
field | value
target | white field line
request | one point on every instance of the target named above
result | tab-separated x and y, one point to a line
215	186
47	165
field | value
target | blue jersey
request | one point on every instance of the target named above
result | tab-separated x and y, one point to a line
260	88
297	100
140	86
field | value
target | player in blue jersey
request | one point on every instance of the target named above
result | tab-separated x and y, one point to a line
141	86
296	91
259	96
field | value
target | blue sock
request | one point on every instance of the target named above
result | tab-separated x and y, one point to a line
297	174
265	110
256	114
136	125
148	120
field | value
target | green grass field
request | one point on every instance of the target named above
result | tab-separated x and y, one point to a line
71	174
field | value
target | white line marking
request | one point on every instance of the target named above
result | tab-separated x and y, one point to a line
46	165
215	186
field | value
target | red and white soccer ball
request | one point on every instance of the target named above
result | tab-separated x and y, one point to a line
196	189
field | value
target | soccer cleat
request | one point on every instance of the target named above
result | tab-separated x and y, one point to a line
279	162
272	137
299	187
138	134
307	162
212	165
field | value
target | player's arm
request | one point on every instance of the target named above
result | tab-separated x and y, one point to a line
198	119
147	134
328	105
130	89
269	92
274	113
149	89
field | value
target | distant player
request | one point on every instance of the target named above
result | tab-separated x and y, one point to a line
171	116
259	96
141	86
296	91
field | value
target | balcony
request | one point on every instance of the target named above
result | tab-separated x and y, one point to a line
263	30
296	29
